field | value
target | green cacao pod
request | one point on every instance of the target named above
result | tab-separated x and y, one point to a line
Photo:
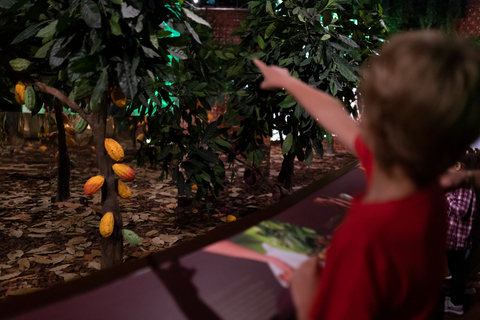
131	237
19	64
30	98
81	125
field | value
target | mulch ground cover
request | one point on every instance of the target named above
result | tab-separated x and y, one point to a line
43	242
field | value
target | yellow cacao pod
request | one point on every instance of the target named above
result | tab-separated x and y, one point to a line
70	131
124	190
231	218
93	185
140	137
43	148
124	172
106	224
114	149
194	187
20	92
118	97
70	142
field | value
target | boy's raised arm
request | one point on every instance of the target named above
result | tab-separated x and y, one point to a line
326	109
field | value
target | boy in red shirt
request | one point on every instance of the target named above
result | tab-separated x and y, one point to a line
421	102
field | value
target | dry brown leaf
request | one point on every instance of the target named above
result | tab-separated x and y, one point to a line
70	250
77	240
94	265
42	260
5	266
22	291
23	264
12	256
68	276
59	268
16	233
38	230
37	235
79	254
151	233
58	258
67	204
45	249
9	276
22	217
157	241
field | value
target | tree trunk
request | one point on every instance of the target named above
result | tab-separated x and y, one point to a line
289	160
267	147
112	246
330	150
63	176
12	120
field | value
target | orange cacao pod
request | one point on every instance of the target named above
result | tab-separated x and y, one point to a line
124	190
64	118
124	172
93	184
118	97
114	149
20	92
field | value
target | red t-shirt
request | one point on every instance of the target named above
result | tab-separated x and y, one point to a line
386	260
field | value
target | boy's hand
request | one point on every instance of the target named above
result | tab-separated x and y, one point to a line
274	76
304	286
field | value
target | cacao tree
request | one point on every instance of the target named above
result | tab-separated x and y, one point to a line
322	43
183	136
87	55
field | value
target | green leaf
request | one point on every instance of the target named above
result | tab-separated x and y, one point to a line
200	86
210	132
91	14
27	33
346	72
127	81
205	176
269	8
117	1
115	26
261	43
195	18
325	37
177	53
43	51
287	143
348	41
230	55
285	62
48	31
208	155
100	87
288	102
271	27
151	93
308	156
220	55
223	143
192	32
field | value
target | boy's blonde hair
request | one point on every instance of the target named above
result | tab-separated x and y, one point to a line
421	100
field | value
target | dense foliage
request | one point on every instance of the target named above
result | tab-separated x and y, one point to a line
322	43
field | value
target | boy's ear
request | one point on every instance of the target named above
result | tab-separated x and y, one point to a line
458	166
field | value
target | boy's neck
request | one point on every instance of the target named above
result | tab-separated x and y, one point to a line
392	186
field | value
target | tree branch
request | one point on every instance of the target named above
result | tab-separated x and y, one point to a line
60	96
